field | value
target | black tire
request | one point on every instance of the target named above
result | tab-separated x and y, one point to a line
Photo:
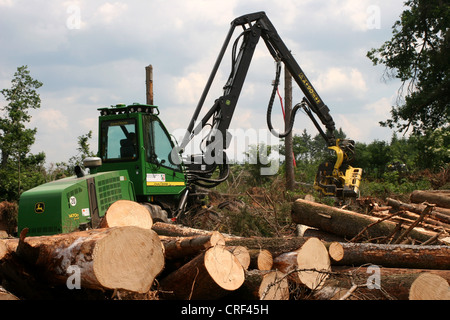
157	213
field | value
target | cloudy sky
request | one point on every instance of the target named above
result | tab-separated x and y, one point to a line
92	54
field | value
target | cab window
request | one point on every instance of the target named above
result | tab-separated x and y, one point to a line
119	140
158	145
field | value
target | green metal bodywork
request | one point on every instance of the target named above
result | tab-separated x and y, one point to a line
63	205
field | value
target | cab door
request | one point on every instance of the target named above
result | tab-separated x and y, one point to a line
163	176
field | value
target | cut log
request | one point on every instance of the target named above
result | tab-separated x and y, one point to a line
429	286
308	265
348	223
3	250
210	275
440	199
127	258
260	259
438	213
335	251
395	255
177	230
275	246
263	285
180	247
372	283
322	235
242	254
7	246
5	295
126	213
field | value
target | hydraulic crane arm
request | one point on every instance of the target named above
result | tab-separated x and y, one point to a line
254	27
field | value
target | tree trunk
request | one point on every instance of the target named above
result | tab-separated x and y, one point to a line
347	223
288	143
180	247
440	199
127	258
126	213
210	275
395	255
5	295
260	259
242	254
438	213
308	265
335	251
177	230
429	286
263	285
373	283
275	246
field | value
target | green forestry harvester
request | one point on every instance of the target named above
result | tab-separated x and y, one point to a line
137	159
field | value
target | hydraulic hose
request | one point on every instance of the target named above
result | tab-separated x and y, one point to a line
291	119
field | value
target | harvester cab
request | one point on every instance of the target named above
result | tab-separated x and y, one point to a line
134	163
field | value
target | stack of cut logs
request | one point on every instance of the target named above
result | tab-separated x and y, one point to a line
340	254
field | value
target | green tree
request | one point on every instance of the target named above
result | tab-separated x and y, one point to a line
419	55
19	169
258	163
83	149
64	169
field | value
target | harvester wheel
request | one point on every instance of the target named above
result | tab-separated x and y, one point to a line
158	214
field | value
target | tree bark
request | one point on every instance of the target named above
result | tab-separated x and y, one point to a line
263	285
347	223
127	258
372	283
395	255
210	275
440	199
309	265
438	213
126	213
275	246
181	247
178	230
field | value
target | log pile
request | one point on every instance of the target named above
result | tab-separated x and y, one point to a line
389	252
395	250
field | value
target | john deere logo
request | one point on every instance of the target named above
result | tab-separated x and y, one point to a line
39	207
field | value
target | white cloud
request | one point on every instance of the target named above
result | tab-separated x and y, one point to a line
6	3
189	88
342	82
50	120
109	12
380	108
